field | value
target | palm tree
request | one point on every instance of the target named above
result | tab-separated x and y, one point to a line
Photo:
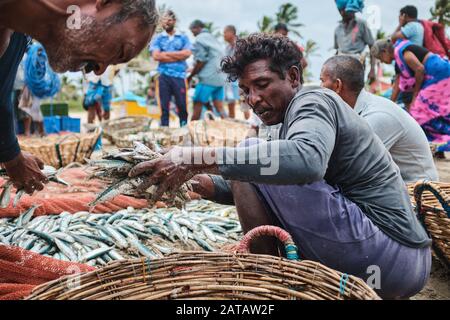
288	14
381	34
266	24
311	49
243	34
441	12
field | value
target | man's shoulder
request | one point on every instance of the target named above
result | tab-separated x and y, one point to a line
321	98
315	93
361	22
160	37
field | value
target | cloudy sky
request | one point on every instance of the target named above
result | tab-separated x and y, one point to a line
320	17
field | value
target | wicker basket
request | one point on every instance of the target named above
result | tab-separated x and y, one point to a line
217	133
211	276
59	151
113	127
164	137
432	201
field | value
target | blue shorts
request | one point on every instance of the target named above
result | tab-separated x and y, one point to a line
232	92
205	93
98	93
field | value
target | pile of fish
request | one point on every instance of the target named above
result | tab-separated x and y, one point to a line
5	197
115	167
156	138
98	239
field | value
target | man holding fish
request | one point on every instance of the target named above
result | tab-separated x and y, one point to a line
337	190
82	34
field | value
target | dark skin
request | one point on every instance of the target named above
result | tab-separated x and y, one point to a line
387	56
68	50
269	95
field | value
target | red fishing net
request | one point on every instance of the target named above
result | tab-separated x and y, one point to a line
21	271
56	198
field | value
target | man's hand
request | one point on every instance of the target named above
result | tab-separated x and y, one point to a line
203	185
164	172
24	172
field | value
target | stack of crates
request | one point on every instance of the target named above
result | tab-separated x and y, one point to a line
56	119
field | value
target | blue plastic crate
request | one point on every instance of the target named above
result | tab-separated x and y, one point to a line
71	124
52	125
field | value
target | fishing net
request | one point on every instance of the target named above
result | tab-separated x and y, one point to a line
21	271
56	198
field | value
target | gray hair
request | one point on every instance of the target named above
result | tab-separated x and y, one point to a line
380	46
349	69
145	10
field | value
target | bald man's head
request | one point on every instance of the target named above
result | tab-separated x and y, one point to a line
348	69
345	76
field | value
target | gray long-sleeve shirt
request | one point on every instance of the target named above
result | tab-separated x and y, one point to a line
321	137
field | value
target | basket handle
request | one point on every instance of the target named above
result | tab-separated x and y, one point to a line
280	234
441	196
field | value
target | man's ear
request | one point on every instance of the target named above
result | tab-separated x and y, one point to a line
294	76
339	86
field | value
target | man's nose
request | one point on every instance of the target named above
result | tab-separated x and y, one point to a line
253	99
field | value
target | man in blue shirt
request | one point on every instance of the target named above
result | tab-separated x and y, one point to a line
409	28
171	49
208	54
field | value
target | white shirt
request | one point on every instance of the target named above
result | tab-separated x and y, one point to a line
106	78
402	136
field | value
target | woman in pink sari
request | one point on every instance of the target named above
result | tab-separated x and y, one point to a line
427	76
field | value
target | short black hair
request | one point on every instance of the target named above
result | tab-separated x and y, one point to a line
349	69
197	24
171	14
410	11
281	27
282	52
232	29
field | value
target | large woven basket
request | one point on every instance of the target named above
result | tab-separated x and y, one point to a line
211	276
217	133
115	126
164	137
432	201
61	150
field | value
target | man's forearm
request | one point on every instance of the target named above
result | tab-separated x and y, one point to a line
277	162
197	68
9	147
179	55
163	57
